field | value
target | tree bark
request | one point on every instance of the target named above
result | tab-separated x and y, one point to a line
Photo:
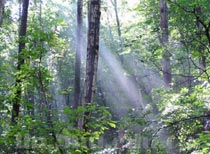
22	34
92	56
92	49
164	41
78	54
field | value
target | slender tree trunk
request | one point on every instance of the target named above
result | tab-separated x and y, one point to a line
171	147
92	55
164	41
111	44
114	2
202	60
78	54
2	3
22	34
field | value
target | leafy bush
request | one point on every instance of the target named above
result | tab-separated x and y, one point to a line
185	113
35	135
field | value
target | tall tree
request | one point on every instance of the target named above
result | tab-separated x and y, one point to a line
78	54
92	55
164	41
20	62
92	49
164	36
114	3
2	3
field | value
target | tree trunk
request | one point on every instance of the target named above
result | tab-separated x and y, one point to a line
202	60
22	34
164	134
78	54
92	49
92	55
164	41
2	3
118	29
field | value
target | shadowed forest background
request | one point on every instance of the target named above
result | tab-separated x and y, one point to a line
104	77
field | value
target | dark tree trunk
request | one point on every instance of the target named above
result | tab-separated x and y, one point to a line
2	3
92	49
78	54
92	55
22	34
164	41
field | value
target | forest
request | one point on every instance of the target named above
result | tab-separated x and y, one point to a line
104	77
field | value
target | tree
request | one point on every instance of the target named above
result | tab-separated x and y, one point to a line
202	59
92	49
2	3
114	3
92	55
20	62
78	54
164	41
191	21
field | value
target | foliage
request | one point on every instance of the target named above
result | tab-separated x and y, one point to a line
140	131
185	113
35	135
